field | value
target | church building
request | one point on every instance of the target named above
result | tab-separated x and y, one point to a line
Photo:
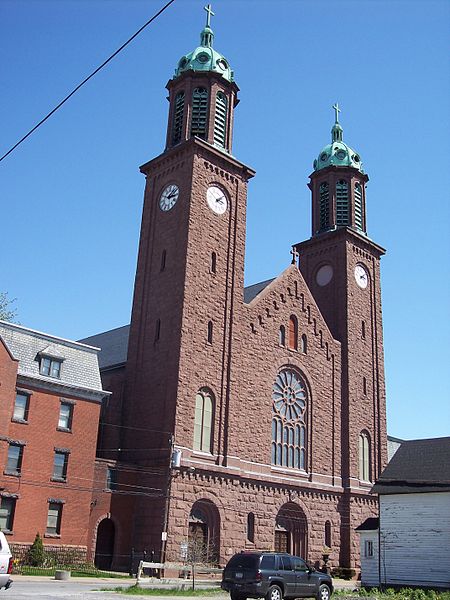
246	418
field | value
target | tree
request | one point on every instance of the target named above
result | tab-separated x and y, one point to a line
6	312
199	552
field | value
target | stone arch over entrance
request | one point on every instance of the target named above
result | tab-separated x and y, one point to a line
104	547
204	530
291	530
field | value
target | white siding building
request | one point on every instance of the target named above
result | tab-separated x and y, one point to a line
410	543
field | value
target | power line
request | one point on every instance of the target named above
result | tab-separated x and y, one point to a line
87	78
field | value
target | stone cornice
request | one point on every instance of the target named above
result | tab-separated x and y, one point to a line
62	389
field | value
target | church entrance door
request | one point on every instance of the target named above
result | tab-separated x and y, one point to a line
291	530
204	527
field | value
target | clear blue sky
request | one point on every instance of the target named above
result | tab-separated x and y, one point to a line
72	193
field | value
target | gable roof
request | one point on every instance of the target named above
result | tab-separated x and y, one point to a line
113	345
417	466
370	524
251	291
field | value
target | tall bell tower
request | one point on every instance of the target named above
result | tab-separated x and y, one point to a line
341	265
189	278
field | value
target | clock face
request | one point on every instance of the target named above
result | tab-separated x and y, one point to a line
361	276
324	275
169	197
217	201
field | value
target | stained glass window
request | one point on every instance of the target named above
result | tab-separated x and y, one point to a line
204	410
289	410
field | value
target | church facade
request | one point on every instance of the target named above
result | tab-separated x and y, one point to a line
243	418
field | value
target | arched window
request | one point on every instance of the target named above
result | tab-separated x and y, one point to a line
163	260
358	206
251	527
210	332
204	409
327	538
342	202
363	330
178	113
282	336
364	456
304	344
324	193
220	121
199	112
364	386
289	420
157	329
213	262
293	332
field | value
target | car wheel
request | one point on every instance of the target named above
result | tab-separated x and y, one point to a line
324	592
274	593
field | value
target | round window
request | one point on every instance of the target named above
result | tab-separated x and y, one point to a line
356	158
222	64
183	62
203	57
340	154
323	156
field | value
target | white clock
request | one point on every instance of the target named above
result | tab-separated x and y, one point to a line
361	276
169	197
324	275
217	201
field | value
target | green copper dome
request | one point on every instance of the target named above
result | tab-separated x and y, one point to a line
204	58
337	153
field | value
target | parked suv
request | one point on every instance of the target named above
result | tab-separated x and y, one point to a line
274	576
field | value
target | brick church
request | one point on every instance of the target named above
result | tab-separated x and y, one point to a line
255	416
246	418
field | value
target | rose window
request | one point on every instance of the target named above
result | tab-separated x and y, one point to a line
289	395
289	409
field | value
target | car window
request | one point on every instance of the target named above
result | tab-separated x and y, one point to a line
268	562
243	561
299	564
286	563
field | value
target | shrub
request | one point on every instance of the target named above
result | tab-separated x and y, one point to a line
36	553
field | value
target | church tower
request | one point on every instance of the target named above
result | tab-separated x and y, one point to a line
189	279
341	265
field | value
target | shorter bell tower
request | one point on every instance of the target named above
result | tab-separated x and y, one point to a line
341	266
338	201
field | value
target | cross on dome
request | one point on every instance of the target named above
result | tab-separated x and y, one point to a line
209	14
337	111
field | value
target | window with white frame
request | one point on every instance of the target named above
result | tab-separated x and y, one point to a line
21	406
65	416
51	367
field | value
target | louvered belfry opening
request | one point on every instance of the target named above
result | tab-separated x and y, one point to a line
358	207
199	120
220	121
342	203
324	192
177	126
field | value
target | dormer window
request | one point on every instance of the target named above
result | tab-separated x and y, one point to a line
51	367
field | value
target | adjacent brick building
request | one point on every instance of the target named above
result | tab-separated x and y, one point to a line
245	418
50	397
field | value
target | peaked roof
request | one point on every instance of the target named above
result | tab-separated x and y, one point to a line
417	466
113	344
251	291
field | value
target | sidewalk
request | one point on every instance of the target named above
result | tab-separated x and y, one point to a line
153	582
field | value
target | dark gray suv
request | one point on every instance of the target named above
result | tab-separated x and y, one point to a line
273	576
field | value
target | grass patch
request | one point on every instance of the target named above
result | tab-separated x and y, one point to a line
50	572
136	590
